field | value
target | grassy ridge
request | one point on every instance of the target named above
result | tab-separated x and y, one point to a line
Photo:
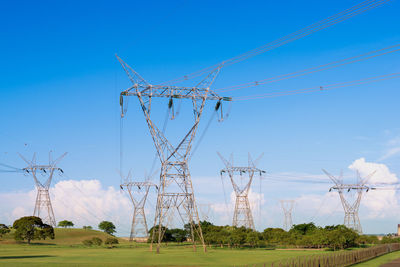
67	236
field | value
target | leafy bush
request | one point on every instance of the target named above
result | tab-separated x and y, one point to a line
111	241
87	242
97	241
4	229
87	227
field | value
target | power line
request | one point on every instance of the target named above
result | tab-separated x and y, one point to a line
322	88
334	64
325	23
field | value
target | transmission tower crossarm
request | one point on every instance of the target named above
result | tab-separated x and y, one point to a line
173	92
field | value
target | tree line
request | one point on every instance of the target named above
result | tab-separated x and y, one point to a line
306	235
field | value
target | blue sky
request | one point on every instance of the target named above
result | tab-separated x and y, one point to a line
60	82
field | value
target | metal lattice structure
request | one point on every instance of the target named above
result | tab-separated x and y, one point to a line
287	207
242	215
138	192
43	201
175	191
351	219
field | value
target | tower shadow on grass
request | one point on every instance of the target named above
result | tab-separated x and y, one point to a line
24	257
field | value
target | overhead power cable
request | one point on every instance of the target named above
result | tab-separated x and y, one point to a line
321	88
334	64
320	25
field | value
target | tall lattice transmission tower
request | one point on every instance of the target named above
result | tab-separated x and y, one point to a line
242	215
43	201
351	207
175	191
138	192
287	207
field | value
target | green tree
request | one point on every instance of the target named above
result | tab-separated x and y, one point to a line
3	230
31	228
304	228
252	238
177	235
65	224
107	227
87	227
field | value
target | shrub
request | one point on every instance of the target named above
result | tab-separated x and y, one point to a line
87	242
111	241
97	241
4	229
87	227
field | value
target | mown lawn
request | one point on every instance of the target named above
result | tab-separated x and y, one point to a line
136	255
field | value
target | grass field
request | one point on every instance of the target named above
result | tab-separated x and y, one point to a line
380	260
67	250
58	255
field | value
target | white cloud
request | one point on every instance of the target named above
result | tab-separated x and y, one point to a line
84	202
382	173
379	203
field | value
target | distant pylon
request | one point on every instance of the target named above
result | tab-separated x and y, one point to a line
242	215
138	192
287	206
351	219
43	197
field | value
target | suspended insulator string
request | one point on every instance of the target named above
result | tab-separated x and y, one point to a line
330	21
335	64
321	88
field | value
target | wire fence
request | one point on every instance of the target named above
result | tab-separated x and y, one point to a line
337	259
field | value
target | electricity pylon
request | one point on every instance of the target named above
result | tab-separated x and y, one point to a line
43	197
175	190
351	219
242	215
287	207
138	192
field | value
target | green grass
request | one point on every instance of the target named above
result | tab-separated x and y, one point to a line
380	260
67	250
68	236
136	255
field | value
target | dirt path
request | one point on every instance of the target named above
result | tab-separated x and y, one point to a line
392	264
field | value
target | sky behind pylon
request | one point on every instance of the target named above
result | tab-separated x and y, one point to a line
60	84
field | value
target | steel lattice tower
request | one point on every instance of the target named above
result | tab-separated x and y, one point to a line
43	198
242	215
351	219
138	192
175	191
287	207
